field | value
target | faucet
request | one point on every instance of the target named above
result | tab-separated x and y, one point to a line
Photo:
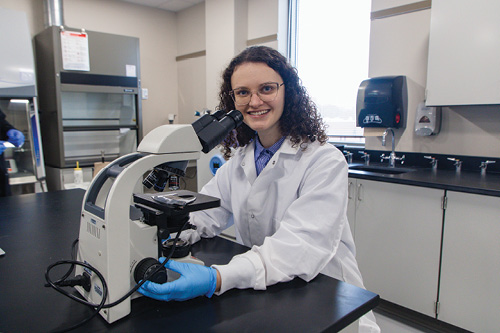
365	156
434	162
348	154
484	165
392	157
457	164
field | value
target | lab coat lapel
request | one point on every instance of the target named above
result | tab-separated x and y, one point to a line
248	163
248	159
285	149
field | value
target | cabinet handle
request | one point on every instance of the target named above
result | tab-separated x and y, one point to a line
360	187
349	191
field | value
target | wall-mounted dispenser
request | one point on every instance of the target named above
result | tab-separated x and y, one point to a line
427	120
382	102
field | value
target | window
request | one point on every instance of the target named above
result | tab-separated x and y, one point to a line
330	46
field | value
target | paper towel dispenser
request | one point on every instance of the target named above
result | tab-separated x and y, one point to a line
382	102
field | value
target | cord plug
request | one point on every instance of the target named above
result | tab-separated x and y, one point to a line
79	280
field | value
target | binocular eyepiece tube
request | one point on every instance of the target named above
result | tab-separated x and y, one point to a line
212	129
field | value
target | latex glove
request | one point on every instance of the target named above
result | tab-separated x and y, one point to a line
2	147
196	280
15	137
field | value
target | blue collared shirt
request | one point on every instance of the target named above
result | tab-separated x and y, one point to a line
263	155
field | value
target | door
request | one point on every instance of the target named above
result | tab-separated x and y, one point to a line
470	275
398	240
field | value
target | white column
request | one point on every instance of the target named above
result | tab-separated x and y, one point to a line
225	35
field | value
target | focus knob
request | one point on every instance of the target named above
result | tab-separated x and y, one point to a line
146	267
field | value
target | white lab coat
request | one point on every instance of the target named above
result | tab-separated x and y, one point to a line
293	216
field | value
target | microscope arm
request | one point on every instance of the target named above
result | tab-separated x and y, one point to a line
169	139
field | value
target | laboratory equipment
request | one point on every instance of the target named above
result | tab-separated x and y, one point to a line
484	165
457	163
78	174
392	156
18	100
382	102
90	101
365	156
122	228
434	162
216	162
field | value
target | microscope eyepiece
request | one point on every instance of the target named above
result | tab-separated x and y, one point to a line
211	131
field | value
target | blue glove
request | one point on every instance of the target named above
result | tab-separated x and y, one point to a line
15	137
2	147
196	280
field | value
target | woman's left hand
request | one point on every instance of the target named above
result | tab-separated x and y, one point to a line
196	280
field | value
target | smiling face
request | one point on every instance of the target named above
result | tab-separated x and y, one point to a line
262	117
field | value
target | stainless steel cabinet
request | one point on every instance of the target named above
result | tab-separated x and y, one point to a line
90	112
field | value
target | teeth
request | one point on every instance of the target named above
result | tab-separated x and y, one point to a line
258	113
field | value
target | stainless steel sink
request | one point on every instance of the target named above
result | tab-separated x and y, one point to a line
384	169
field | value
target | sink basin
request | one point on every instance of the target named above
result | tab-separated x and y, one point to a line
384	169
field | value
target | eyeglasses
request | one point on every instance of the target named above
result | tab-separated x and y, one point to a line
267	92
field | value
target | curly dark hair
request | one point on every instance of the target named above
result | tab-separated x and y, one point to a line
300	120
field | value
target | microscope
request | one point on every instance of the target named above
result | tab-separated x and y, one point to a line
122	228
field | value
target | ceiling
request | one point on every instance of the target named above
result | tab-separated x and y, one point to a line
170	5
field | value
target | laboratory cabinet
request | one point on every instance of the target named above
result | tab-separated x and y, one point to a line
397	231
470	286
463	66
351	205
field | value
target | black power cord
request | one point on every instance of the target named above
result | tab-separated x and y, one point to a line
57	287
84	281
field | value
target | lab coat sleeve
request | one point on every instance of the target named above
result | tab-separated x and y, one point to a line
310	231
211	222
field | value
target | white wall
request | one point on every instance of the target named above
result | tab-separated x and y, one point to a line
33	10
262	18
191	71
399	45
221	28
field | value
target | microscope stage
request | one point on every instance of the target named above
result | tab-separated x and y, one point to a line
200	202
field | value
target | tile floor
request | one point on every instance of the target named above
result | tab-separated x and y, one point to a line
389	325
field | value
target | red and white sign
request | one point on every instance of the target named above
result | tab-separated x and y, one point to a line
75	51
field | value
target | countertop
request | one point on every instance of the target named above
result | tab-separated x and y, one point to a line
38	230
465	181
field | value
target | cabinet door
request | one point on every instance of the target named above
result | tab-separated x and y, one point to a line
463	66
469	295
351	205
398	240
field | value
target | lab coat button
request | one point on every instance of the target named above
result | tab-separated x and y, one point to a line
242	163
252	216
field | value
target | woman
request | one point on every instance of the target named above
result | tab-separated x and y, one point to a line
284	188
